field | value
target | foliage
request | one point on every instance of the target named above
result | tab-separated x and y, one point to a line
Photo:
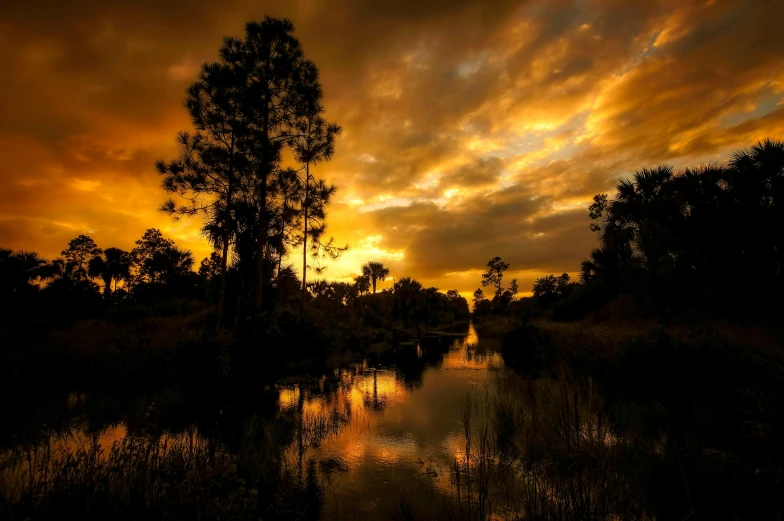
19	272
502	298
260	98
113	266
78	254
702	237
362	284
159	264
495	274
375	271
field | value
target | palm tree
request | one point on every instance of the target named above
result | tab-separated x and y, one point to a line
59	273
20	270
362	284
376	271
407	285
114	265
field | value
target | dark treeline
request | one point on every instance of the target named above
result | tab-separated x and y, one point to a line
126	293
710	237
702	242
155	270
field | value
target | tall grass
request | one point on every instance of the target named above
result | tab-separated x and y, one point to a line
695	422
142	477
546	453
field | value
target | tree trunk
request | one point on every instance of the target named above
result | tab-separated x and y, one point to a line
262	252
265	166
374	284
305	240
282	231
226	237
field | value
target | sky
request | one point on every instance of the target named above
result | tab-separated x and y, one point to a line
470	129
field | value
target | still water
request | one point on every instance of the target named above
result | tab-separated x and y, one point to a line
406	428
388	428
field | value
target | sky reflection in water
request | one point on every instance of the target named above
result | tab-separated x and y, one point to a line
402	435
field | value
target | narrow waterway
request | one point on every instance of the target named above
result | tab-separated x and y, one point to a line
393	431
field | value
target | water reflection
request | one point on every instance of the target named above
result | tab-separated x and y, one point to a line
405	430
362	437
440	424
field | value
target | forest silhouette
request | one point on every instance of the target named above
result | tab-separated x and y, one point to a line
684	379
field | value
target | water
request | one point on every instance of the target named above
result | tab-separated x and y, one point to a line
439	428
406	429
372	433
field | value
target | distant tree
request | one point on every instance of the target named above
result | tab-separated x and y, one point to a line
344	292
287	285
19	271
58	272
494	275
61	280
375	271
481	305
321	289
210	267
113	265
410	302
97	269
562	283
78	254
158	260
362	284
459	304
408	285
550	286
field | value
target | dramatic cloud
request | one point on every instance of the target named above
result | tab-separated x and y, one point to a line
471	129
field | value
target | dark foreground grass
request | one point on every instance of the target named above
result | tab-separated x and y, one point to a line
634	423
168	477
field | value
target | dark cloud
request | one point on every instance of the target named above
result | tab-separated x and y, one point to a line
480	172
509	223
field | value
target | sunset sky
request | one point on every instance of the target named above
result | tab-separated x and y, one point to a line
471	129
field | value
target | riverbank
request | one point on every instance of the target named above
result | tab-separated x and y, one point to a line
706	399
142	349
